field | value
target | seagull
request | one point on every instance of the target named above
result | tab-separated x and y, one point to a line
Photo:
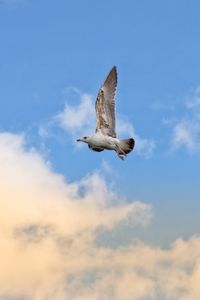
105	136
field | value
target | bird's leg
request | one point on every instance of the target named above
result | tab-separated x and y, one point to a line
121	154
120	151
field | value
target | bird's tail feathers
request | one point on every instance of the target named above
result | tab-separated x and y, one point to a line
127	145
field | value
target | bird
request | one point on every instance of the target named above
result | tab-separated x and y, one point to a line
105	137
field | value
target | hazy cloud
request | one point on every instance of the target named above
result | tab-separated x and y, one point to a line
193	100
186	130
187	133
144	146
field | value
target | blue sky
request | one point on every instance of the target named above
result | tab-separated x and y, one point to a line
55	54
47	48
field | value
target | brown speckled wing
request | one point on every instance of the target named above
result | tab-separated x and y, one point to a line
105	105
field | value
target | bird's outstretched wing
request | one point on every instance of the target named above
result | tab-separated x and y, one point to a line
105	105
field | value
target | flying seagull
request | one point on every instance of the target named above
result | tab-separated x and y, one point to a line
105	136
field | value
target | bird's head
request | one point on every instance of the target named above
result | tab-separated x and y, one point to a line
84	139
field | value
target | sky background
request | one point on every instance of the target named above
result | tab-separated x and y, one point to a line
54	56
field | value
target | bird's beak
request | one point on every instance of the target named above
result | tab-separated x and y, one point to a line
78	140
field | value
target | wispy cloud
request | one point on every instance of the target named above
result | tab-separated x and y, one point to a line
48	231
193	100
186	130
78	119
187	133
144	146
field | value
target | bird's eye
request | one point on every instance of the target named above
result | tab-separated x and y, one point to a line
85	137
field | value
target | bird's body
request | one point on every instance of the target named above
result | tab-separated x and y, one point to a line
105	135
102	141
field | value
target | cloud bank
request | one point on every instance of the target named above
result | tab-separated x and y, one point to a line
48	232
48	227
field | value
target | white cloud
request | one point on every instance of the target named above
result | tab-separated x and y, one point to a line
80	120
48	231
76	118
47	227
